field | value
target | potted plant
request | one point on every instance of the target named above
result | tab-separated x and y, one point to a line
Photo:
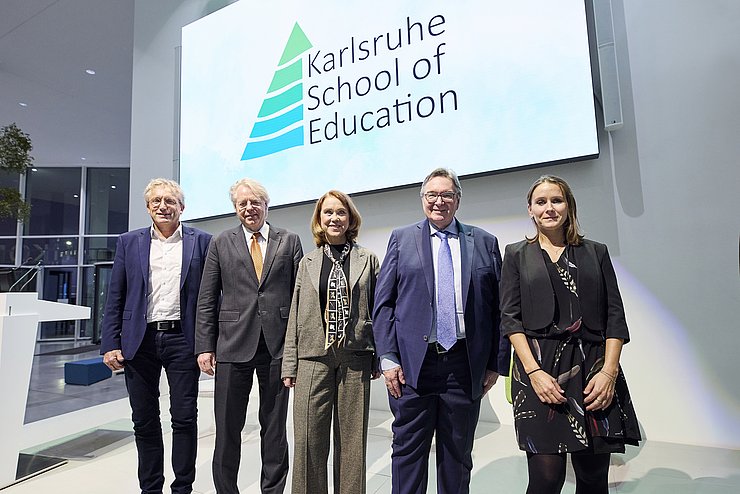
15	157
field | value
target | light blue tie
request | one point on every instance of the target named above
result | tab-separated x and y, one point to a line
446	314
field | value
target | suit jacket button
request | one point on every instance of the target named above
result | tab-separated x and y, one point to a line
426	338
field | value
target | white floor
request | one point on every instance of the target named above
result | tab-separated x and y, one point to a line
656	468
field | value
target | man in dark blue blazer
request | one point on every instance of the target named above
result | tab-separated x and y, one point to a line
149	324
436	327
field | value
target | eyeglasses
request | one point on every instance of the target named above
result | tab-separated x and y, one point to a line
168	201
431	197
245	204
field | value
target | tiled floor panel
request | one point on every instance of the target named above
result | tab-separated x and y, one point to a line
653	468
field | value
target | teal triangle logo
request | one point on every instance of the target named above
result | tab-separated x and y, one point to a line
276	128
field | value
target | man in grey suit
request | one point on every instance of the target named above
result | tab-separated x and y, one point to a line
243	310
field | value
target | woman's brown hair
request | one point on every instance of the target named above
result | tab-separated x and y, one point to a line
571	228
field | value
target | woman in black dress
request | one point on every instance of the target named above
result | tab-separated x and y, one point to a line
562	311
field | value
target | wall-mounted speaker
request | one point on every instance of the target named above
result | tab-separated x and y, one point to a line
611	98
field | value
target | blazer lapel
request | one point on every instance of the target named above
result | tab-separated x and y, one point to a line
582	280
188	245
467	247
536	273
313	264
357	265
424	249
241	249
145	239
273	245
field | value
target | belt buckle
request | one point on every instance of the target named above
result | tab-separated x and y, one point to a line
165	325
439	348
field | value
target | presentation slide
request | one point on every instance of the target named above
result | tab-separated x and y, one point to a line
361	96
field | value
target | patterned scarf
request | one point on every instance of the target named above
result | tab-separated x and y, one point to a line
337	298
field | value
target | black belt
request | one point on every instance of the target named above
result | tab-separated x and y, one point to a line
439	349
164	325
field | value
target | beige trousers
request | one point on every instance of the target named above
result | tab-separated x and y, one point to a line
333	386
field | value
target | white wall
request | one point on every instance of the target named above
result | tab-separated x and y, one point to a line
664	200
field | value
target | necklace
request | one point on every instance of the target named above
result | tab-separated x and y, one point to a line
554	252
548	244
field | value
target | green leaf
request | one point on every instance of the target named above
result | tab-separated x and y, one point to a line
15	149
15	157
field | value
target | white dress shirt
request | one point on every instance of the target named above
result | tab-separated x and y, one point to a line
165	267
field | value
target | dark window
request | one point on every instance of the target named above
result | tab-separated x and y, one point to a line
9	224
7	251
60	285
50	251
98	249
107	200
54	194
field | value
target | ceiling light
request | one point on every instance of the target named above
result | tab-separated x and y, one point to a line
90	71
34	169
83	158
23	104
112	186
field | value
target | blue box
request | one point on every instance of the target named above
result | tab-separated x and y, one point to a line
86	372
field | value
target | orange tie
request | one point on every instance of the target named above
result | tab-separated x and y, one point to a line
256	252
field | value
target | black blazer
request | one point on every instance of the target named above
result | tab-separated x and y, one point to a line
527	300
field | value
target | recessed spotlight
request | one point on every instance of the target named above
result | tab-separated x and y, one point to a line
34	169
75	196
68	242
83	158
23	104
90	71
112	186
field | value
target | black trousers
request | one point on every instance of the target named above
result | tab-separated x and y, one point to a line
233	385
168	350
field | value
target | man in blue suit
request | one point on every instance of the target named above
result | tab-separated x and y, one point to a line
149	324
436	327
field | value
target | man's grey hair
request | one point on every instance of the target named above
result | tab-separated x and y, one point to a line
256	187
173	187
446	173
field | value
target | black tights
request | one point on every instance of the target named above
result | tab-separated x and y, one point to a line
547	473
